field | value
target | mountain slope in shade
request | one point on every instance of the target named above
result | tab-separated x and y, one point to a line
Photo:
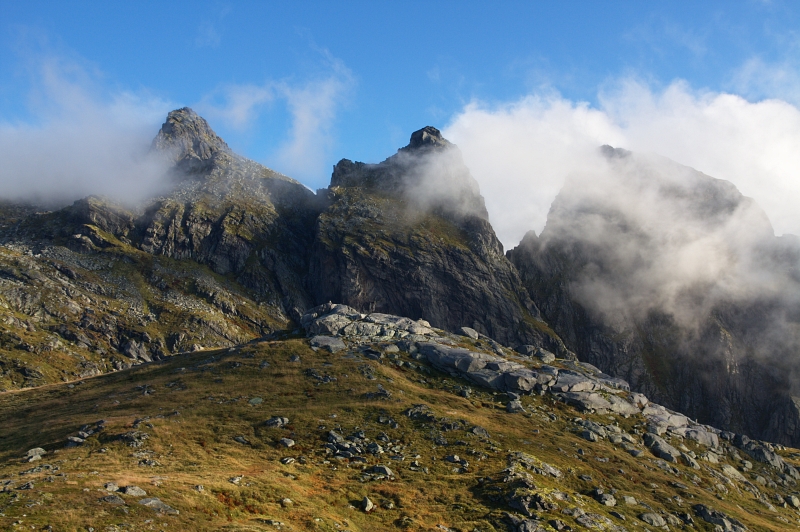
674	281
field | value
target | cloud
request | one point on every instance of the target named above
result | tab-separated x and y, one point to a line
313	107
236	106
757	78
80	140
207	36
521	152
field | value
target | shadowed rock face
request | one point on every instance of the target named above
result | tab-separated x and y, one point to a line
410	236
719	347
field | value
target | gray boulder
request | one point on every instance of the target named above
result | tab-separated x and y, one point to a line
159	506
469	332
367	505
653	519
661	448
330	343
134	491
703	437
571	381
728	524
586	400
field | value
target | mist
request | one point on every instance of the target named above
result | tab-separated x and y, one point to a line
439	179
659	236
78	141
522	152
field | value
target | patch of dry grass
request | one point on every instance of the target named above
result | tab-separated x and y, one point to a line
193	406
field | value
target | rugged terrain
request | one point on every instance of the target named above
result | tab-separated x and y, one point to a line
236	251
376	422
179	363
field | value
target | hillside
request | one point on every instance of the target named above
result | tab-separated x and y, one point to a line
297	434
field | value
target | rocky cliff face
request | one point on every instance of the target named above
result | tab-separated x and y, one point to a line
411	236
674	281
235	251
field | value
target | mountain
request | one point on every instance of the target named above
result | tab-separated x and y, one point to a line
235	251
674	281
241	353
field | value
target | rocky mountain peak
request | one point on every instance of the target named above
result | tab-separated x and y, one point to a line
610	152
426	138
189	139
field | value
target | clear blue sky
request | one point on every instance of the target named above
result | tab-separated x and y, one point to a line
353	79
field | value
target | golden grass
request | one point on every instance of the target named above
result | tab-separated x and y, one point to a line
210	391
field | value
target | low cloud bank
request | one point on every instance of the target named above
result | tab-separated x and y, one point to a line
81	142
522	152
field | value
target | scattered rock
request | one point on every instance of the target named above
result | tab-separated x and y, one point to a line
715	517
134	491
515	407
367	505
34	454
277	422
114	500
329	343
653	519
159	506
382	470
659	447
469	332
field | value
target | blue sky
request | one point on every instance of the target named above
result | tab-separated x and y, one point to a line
299	85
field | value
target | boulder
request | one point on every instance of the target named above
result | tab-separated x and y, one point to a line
703	437
586	400
367	505
134	491
159	506
715	517
659	447
653	519
469	332
329	325
571	381
330	343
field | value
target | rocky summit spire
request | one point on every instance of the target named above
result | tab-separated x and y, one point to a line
189	139
426	138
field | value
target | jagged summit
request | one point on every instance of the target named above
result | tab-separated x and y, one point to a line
429	173
427	138
190	140
610	152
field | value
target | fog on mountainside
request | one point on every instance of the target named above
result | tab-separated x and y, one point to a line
675	281
64	162
665	237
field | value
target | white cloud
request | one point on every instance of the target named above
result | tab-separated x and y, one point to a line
313	107
757	78
521	152
83	141
237	106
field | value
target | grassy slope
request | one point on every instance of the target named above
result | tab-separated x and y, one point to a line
199	402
